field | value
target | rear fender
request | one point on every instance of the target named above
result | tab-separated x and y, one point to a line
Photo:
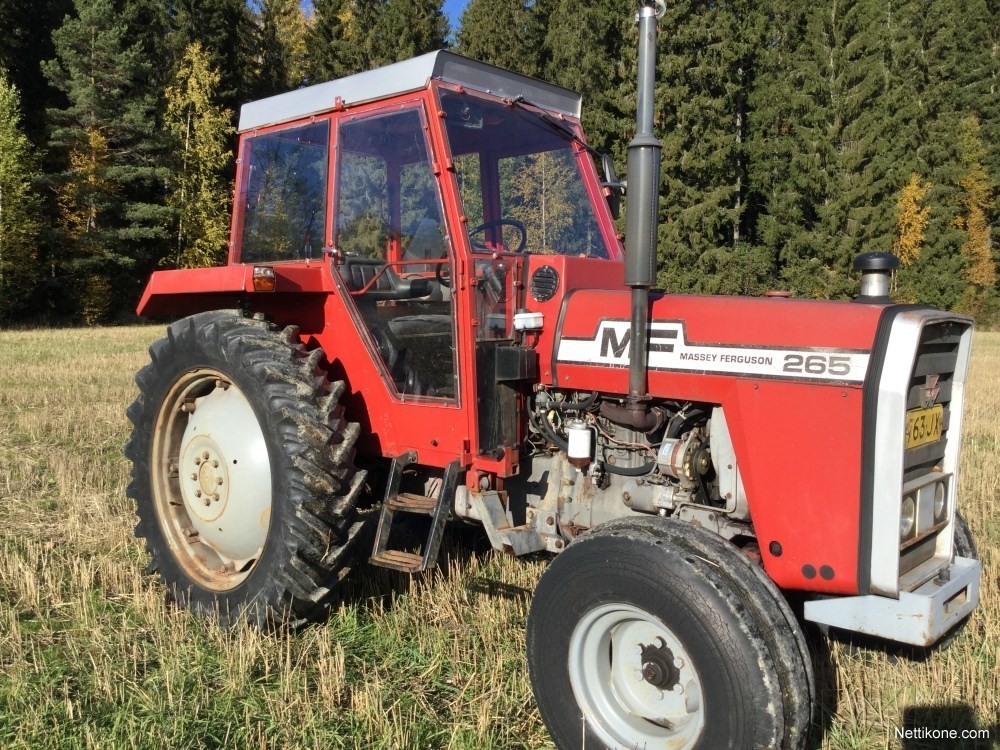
187	291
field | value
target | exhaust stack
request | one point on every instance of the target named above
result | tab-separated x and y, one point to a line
643	193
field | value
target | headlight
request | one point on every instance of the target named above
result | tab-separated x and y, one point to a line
907	516
940	501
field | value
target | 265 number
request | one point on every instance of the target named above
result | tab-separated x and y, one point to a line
818	364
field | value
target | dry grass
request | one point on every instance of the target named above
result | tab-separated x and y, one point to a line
91	657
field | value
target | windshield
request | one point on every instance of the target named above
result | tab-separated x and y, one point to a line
519	179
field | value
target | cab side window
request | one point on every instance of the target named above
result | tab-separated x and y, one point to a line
284	201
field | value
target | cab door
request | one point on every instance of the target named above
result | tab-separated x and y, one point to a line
394	257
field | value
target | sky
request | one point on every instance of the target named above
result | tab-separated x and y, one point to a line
453	9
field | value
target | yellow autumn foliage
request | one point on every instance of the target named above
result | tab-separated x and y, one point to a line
911	220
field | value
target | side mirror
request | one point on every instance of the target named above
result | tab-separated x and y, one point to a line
613	187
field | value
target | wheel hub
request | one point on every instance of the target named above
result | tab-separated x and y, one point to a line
206	489
658	668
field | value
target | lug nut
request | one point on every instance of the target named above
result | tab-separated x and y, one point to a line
206	502
206	455
197	493
219	480
215	464
194	475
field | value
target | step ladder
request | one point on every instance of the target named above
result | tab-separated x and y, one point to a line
406	502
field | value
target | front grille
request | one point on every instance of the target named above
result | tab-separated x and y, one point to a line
937	356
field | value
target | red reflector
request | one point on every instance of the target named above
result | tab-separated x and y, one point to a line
263	279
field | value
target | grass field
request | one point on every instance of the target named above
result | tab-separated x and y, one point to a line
91	657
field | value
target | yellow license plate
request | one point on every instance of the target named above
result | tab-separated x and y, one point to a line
923	426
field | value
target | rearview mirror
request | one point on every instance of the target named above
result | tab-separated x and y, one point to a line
613	187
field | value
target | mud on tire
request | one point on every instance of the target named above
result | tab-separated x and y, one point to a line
274	547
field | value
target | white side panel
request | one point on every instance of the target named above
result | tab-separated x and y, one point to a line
890	424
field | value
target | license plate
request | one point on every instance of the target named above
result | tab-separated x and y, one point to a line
923	426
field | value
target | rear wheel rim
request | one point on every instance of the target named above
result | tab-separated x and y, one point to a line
634	681
211	479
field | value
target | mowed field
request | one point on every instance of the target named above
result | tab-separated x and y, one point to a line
91	656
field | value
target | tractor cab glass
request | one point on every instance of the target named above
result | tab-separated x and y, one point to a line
284	194
389	231
520	179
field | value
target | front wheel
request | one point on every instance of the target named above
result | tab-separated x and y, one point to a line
649	634
242	470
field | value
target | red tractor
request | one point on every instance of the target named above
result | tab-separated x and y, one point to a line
426	294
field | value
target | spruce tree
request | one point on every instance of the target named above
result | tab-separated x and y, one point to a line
507	33
405	29
948	55
19	206
196	189
590	49
818	136
26	39
330	40
705	69
111	215
225	30
280	47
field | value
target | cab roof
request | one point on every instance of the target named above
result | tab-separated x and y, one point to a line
402	77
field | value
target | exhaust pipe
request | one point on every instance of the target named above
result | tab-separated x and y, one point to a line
643	193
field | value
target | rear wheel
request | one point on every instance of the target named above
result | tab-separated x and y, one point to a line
652	634
242	470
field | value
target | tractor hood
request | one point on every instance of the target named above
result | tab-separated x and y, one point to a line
765	338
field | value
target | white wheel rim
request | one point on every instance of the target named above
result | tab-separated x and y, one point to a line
211	479
225	476
634	681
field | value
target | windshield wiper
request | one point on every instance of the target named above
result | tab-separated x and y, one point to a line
553	124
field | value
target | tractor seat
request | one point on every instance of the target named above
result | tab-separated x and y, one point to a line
359	272
419	351
389	285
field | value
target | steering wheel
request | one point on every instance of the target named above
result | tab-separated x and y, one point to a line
444	279
502	223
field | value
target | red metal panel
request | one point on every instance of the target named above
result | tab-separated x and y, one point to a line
798	443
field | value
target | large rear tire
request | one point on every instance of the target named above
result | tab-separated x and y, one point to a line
659	634
243	470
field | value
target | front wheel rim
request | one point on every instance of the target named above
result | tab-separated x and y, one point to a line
634	681
211	479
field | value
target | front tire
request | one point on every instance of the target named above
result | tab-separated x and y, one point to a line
658	634
242	470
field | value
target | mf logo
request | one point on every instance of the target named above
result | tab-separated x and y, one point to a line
931	390
660	340
611	341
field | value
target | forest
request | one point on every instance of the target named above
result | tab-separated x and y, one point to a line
796	135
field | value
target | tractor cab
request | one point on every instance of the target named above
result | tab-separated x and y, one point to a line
433	200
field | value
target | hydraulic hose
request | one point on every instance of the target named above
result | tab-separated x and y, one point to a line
547	431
